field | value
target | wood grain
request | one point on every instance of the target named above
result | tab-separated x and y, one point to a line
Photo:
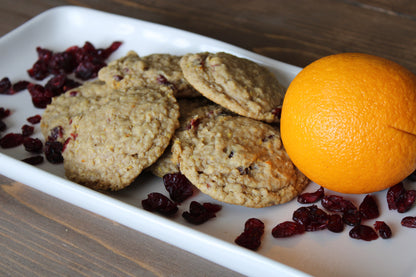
43	236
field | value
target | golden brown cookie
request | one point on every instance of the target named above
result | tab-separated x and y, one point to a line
237	84
237	160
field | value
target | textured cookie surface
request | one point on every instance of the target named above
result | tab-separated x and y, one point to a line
158	70
187	107
58	114
109	148
237	160
238	84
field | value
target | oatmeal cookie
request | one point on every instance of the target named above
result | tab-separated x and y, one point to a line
187	107
158	70
238	84
237	160
128	132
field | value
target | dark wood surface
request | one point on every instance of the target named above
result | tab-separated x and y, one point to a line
43	236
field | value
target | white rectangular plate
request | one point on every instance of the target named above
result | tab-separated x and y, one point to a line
319	253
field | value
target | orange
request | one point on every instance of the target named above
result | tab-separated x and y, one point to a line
348	122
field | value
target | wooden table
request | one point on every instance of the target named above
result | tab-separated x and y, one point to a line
43	236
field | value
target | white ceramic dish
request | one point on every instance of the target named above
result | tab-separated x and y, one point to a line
317	253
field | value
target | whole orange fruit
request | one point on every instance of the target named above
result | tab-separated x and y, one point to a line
348	122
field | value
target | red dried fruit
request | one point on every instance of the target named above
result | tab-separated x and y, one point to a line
363	232
351	217
194	123
88	69
11	140
4	113
56	132
60	84
400	199
62	62
409	221
312	218
393	194
5	85
369	208
213	208
40	96
106	52
406	201
33	145
3	126
157	202
178	186
287	229
383	229
311	197
40	69
335	203
335	223
34	119
53	152
198	213
35	160
27	130
251	237
19	86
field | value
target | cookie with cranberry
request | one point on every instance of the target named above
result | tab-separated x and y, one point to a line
187	107
160	70
237	160
238	84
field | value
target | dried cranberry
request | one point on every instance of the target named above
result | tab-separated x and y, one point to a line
368	208
88	69
60	84
287	229
4	113
312	218
213	208
55	133
3	126
194	123
198	213
19	86
335	203
351	217
162	80
363	232
11	140
178	186
406	201
383	229
311	197
40	69
157	202
35	160
393	194
62	62
40	96
33	145
106	52
53	152
335	223
27	130
251	236
409	221
5	86
277	112
34	119
400	199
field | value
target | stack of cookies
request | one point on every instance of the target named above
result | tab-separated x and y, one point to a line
212	117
